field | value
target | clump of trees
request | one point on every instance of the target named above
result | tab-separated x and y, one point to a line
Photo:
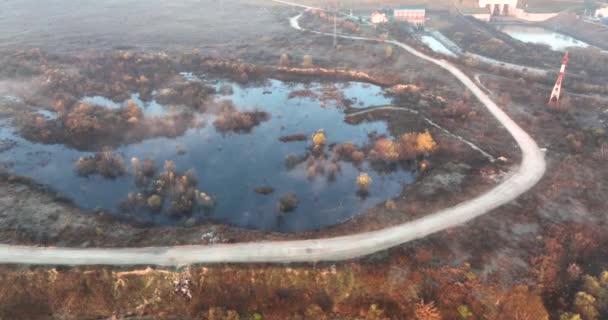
192	94
170	192
348	151
407	147
92	127
230	119
591	299
457	110
106	163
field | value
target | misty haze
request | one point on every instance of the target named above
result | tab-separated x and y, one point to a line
306	159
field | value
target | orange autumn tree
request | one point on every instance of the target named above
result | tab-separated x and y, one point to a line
521	303
426	311
407	147
408	142
425	142
387	150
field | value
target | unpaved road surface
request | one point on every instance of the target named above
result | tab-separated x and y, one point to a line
519	181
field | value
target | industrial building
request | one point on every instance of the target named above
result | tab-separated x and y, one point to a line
415	15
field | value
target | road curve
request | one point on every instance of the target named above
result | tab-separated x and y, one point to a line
520	180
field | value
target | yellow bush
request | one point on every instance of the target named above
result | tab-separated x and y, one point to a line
307	61
318	138
604	278
423	165
363	181
425	142
584	304
464	312
389	52
154	202
570	316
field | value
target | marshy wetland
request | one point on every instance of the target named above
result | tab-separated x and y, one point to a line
233	163
173	132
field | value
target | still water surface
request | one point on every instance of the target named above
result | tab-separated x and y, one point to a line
557	41
229	166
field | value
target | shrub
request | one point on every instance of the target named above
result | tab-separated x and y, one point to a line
584	304
291	161
154	202
386	150
425	142
363	182
105	163
408	142
570	316
288	202
332	170
463	312
284	60
521	303
206	200
457	110
426	311
230	119
318	138
131	110
388	52
307	61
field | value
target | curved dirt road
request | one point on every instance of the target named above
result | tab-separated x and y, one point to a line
521	180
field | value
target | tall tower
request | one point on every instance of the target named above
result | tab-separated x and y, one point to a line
557	89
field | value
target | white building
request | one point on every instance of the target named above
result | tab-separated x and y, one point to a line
378	17
602	12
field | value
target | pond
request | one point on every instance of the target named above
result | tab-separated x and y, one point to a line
229	166
557	41
436	46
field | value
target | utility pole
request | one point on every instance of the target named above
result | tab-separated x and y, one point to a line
336	7
558	84
335	28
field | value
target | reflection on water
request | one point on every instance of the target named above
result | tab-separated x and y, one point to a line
555	40
436	46
230	166
151	108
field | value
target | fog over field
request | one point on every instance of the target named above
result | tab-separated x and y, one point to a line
66	25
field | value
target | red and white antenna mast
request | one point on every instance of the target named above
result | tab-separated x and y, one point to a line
557	89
